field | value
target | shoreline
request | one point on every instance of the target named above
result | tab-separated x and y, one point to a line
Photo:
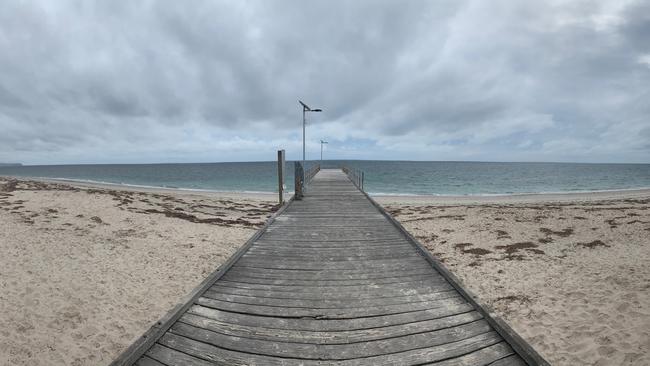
580	196
383	198
265	196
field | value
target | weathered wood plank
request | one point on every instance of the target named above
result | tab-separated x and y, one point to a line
513	360
328	313
324	248
318	257
482	357
403	288
146	361
341	302
384	264
281	244
170	356
325	274
324	337
449	308
334	351
412	357
221	356
342	252
396	295
343	242
433	278
430	354
334	275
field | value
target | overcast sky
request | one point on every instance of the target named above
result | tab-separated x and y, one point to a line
176	81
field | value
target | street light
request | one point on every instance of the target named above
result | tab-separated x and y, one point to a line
305	109
321	151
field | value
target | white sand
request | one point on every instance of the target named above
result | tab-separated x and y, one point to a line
571	276
85	272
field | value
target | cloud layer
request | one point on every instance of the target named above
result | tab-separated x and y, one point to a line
157	81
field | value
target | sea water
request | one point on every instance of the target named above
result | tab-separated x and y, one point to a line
381	177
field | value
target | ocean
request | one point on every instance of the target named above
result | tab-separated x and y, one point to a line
381	177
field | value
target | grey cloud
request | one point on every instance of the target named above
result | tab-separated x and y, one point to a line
636	27
91	75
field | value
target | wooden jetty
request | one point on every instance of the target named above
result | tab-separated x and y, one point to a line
331	279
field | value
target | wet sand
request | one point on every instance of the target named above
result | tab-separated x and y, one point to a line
515	198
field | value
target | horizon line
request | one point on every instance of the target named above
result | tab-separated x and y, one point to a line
15	165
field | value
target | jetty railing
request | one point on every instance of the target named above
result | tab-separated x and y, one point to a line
310	173
356	176
303	177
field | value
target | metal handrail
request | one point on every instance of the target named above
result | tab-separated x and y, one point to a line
356	176
310	173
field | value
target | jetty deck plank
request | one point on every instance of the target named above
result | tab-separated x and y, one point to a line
332	279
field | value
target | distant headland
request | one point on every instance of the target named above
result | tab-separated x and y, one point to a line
11	164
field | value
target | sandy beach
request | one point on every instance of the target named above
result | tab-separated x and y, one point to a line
568	272
87	269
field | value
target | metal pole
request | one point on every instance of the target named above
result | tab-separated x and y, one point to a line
303	136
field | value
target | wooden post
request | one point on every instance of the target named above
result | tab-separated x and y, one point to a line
299	179
281	165
362	178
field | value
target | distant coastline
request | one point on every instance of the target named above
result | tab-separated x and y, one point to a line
10	164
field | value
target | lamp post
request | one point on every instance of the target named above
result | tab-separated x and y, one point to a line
305	109
321	151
